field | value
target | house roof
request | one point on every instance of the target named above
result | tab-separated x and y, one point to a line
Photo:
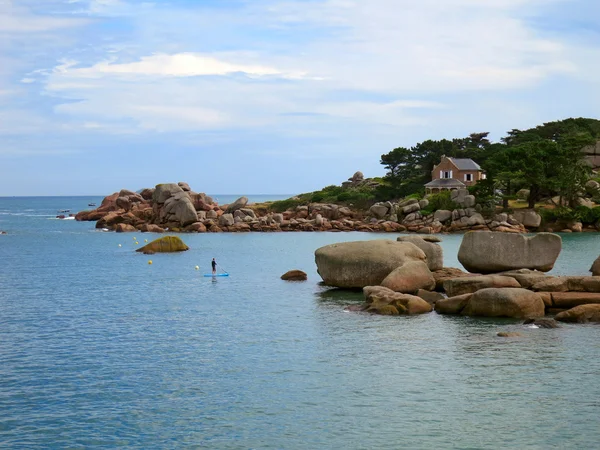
445	183
465	164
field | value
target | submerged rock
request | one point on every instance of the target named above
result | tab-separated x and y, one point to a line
167	244
294	275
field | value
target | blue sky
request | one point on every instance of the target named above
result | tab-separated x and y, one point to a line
273	96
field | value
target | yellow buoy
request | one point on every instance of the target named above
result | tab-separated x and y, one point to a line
197	268
134	238
150	262
119	245
137	243
145	240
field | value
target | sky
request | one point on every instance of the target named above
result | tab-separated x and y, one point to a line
273	96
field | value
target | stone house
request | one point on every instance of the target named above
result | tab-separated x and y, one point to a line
454	173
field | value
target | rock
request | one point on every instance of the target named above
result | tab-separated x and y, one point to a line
124	228
409	278
526	278
575	227
475	220
580	314
492	252
523	194
430	297
529	218
167	244
151	228
469	201
581	201
508	334
238	204
380	300
196	227
595	269
411	208
363	263
294	275
505	302
433	239
433	251
226	220
163	192
569	283
378	210
442	215
179	209
542	323
469	285
593	188
458	196
183	185
423	203
447	273
567	300
452	305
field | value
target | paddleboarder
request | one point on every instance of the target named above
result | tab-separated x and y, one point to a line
214	266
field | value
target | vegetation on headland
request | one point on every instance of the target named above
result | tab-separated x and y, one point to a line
546	162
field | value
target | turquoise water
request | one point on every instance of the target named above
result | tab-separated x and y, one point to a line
99	349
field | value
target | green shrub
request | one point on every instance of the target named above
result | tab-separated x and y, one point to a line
443	200
284	205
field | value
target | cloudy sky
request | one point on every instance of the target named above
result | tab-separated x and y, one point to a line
273	96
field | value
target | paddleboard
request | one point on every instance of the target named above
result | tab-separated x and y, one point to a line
216	275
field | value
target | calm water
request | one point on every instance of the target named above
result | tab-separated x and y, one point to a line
99	349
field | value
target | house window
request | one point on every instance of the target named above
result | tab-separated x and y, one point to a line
446	174
468	177
483	176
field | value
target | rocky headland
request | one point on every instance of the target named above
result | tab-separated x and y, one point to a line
176	207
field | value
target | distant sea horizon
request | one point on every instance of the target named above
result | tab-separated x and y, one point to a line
220	198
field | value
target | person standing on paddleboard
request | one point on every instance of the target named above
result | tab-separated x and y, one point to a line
214	266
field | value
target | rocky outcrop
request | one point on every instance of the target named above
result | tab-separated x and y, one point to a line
433	251
238	204
294	275
409	278
489	252
166	244
507	302
363	263
580	314
447	273
530	219
380	300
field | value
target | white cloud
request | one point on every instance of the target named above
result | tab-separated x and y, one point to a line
176	65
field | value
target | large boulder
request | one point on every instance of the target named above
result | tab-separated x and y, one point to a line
447	273
506	302
433	251
595	269
492	252
167	244
469	285
238	204
530	219
580	314
380	300
363	263
409	278
163	192
179	209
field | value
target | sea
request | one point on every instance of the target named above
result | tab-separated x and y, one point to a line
101	349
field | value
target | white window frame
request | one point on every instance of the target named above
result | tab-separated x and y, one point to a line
444	172
468	177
